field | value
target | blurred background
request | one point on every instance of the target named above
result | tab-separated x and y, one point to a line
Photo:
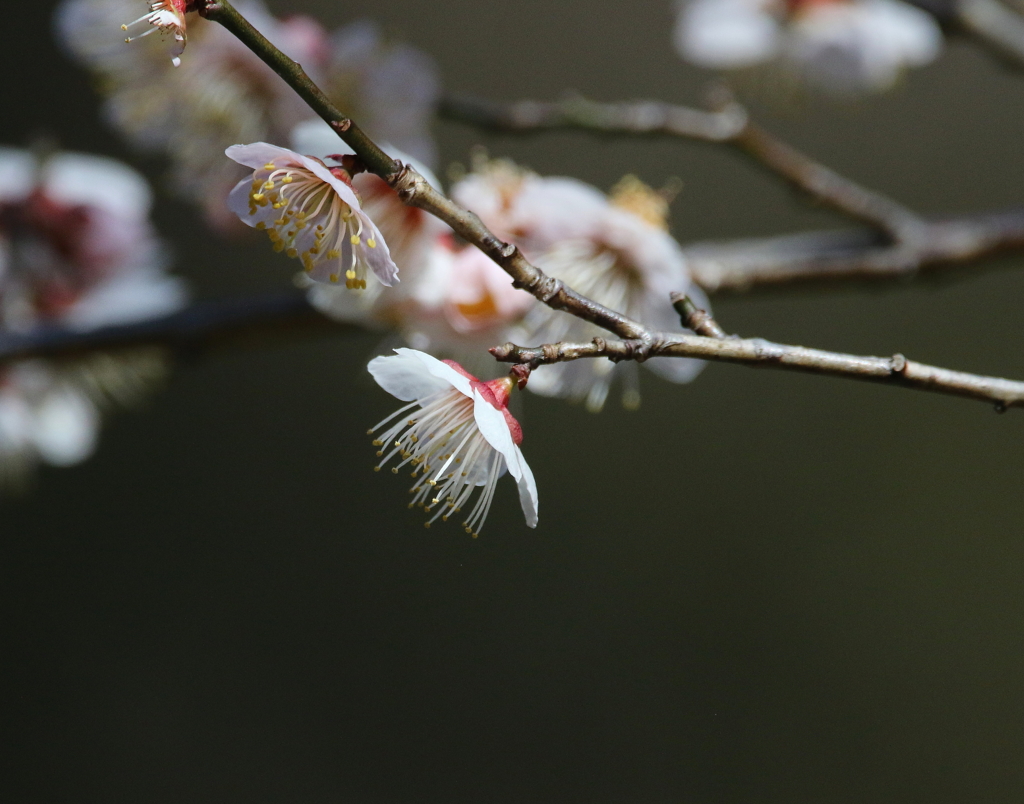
758	587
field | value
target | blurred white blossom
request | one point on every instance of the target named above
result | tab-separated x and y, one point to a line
224	94
76	250
842	47
615	250
456	434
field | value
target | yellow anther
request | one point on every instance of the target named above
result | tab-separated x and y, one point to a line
371	243
394	470
354	240
279	246
287	180
292	253
376	468
268	185
334	277
269	166
333	254
258	197
261	226
350	274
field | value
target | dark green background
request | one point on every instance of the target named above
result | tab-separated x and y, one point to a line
761	587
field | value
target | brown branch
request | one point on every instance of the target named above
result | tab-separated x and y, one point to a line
755	352
416	191
828	257
693	317
728	124
197	329
997	26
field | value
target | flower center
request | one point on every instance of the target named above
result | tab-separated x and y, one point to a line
314	223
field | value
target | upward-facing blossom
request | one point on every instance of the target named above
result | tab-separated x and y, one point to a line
839	46
224	94
311	212
616	251
76	250
456	434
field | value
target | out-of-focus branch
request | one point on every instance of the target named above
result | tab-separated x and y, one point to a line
199	328
908	243
416	191
729	125
715	345
997	26
835	257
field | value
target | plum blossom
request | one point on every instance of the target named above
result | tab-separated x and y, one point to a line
167	17
616	251
456	434
224	94
311	212
416	239
842	47
76	250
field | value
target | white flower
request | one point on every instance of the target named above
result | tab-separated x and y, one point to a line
167	17
311	212
456	433
615	251
415	238
76	250
839	46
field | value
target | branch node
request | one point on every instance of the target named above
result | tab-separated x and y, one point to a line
341	126
521	374
898	364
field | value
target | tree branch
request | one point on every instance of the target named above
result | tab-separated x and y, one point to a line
199	328
756	352
416	191
728	124
838	256
991	23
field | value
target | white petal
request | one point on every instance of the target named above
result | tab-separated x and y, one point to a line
97	181
410	374
726	34
257	154
17	173
527	492
65	428
494	429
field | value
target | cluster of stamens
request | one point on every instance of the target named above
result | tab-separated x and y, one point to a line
165	16
313	224
449	456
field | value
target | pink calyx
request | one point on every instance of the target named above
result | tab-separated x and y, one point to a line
496	392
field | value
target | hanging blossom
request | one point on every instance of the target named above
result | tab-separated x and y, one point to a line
456	435
77	251
167	17
310	212
842	47
615	250
224	94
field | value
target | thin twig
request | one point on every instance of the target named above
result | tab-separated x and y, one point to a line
729	124
199	328
693	317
